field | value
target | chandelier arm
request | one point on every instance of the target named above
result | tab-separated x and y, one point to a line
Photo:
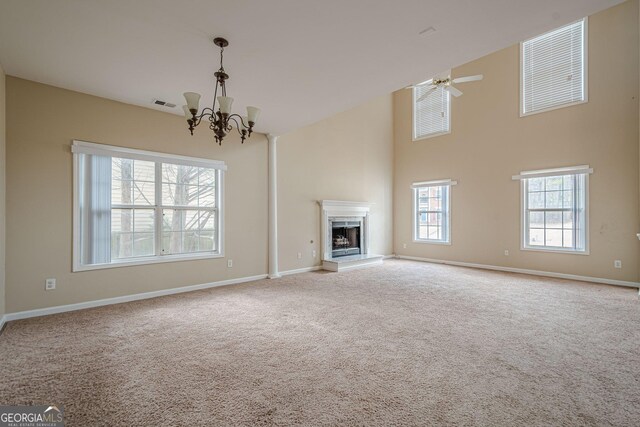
244	126
202	115
239	128
206	112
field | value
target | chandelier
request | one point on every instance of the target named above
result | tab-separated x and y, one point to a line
221	121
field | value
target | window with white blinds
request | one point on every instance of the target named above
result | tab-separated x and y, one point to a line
430	115
138	207
553	69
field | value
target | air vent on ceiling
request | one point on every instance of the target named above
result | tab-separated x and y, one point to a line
163	103
427	31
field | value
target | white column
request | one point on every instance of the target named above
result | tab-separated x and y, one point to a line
273	209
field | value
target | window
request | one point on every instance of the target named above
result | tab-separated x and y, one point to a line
554	209
554	69
431	203
430	115
137	207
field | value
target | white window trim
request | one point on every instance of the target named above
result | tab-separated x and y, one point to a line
83	147
585	73
413	117
572	170
414	189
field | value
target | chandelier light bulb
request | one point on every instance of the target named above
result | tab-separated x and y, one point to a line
225	104
193	100
187	113
252	114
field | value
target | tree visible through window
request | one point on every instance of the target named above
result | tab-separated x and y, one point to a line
555	209
188	199
132	208
143	206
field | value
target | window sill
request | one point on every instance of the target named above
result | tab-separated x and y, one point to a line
148	260
432	135
432	242
555	107
558	251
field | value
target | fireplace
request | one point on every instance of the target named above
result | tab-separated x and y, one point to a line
345	238
344	229
344	232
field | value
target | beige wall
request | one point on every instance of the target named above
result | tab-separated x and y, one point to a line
489	143
364	154
348	156
2	190
39	195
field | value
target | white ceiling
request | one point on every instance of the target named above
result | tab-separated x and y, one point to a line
298	60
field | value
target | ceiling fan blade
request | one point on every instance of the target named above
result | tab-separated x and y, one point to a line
428	82
453	91
468	79
427	93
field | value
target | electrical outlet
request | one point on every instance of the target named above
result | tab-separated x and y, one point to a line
404	246
229	263
50	284
617	263
299	255
313	253
506	253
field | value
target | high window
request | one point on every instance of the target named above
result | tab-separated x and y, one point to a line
554	69
431	207
555	209
431	114
138	207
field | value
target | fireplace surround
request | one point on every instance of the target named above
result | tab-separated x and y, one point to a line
345	234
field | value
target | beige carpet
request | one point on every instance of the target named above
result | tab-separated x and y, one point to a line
405	343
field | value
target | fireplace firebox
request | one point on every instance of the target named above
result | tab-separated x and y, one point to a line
345	238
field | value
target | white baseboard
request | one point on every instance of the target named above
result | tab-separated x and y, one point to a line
146	295
126	298
525	271
300	270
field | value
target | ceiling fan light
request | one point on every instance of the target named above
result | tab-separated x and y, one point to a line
225	103
193	100
252	114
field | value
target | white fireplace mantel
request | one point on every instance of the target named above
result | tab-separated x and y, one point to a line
341	205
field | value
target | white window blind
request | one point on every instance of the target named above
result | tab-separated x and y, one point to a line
553	69
431	115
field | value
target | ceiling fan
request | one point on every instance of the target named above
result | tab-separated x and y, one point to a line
445	81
